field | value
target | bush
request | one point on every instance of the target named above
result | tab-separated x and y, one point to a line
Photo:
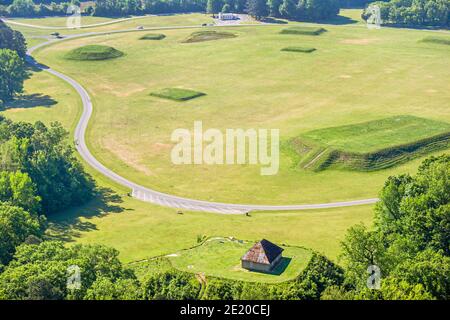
94	52
308	31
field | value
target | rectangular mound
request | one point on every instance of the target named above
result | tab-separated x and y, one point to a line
177	94
202	36
371	145
309	31
437	40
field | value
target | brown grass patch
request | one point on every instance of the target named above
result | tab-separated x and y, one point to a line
364	41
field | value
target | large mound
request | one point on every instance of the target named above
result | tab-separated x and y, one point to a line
94	52
308	31
371	145
177	94
201	36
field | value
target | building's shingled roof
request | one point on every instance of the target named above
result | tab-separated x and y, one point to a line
264	252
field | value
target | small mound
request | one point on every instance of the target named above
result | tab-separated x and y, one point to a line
94	52
177	94
201	36
299	49
437	40
153	36
308	31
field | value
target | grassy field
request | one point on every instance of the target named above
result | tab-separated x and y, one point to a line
352	78
357	75
221	258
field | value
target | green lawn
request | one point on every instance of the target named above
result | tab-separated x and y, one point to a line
177	94
378	134
221	258
356	75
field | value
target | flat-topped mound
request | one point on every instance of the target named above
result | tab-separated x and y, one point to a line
153	36
437	40
299	49
177	94
371	145
201	36
308	31
94	52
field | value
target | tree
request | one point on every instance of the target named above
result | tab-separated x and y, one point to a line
22	8
171	285
122	289
40	271
12	74
214	6
18	189
288	9
258	9
274	7
15	226
43	154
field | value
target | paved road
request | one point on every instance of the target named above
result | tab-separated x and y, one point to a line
149	195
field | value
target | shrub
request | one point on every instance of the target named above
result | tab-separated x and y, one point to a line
94	52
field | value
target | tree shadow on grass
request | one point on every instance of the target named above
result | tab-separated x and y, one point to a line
67	225
31	101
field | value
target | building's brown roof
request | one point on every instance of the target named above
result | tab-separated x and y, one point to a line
264	252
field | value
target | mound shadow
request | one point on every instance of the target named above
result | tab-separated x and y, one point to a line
67	225
31	101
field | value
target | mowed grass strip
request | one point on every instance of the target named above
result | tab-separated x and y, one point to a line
153	36
93	52
222	258
201	36
177	94
437	40
299	49
308	31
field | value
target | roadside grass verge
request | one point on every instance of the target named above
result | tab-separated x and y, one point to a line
93	52
299	49
437	40
177	94
308	31
372	145
153	36
201	36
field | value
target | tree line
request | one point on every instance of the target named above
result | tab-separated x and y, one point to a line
413	12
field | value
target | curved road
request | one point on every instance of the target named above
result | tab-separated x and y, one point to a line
149	195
